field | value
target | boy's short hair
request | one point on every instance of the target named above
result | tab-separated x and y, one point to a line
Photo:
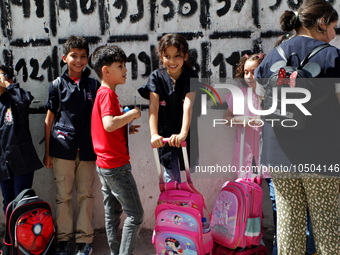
104	56
76	42
8	71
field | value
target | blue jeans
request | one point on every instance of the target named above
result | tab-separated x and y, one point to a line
310	245
120	194
12	187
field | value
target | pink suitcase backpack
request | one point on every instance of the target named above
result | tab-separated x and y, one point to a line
236	219
179	215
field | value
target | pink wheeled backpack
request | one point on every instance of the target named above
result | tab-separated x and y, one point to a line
179	216
236	219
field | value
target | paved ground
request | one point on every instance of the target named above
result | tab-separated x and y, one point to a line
144	245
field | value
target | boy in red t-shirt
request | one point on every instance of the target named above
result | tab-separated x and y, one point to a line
109	137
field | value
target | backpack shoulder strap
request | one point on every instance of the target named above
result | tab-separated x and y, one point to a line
315	51
281	52
93	88
55	86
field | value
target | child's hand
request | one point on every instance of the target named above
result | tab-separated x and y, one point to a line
252	120
48	161
175	140
241	119
157	141
137	113
133	129
255	121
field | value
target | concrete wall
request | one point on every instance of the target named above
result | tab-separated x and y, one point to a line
218	32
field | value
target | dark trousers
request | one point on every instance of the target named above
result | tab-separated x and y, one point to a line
12	187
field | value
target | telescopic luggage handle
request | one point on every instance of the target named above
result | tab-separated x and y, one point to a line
242	148
185	158
165	140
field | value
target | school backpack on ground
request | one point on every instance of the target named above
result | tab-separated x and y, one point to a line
29	228
179	216
236	219
287	76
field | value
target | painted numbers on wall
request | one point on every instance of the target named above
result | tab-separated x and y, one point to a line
219	32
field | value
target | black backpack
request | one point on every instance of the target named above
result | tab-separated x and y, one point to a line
29	226
287	76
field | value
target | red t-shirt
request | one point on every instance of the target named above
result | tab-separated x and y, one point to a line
110	147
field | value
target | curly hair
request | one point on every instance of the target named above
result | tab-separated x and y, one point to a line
258	57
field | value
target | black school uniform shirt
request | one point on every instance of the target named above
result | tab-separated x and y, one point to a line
72	105
17	153
170	115
319	142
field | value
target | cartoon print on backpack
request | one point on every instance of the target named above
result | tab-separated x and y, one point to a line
177	219
173	247
182	221
173	244
222	212
224	216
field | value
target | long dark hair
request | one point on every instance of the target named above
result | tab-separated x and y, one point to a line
175	40
309	15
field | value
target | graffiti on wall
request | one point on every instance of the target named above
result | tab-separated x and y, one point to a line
218	31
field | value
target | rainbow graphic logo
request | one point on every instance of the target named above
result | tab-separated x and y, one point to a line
209	93
205	88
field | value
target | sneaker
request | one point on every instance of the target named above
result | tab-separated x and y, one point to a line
83	249
63	248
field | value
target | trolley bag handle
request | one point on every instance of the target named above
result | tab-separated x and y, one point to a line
256	179
188	185
241	148
23	194
185	158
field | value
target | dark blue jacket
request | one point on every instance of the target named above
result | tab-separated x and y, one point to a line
72	105
319	142
17	153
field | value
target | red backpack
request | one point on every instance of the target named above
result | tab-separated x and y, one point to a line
29	226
